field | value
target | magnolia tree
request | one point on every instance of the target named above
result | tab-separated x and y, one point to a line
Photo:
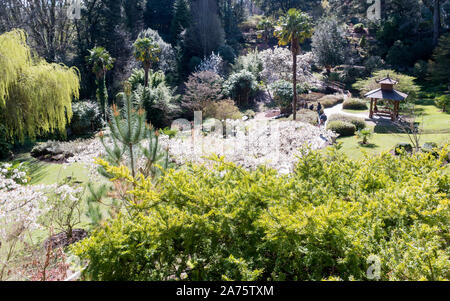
277	64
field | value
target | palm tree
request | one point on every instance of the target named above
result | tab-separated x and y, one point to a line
265	26
365	135
101	62
294	28
145	51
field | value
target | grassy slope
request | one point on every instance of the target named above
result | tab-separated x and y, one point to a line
384	142
47	173
436	126
434	120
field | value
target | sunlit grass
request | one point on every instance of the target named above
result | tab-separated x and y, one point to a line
383	142
434	123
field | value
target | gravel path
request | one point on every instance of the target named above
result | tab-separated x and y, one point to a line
338	109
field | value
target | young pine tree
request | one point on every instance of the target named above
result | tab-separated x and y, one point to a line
131	143
128	133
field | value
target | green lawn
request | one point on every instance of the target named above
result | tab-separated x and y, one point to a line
383	142
44	173
436	127
434	120
48	173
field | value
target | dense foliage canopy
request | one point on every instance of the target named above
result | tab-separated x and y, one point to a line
329	43
322	222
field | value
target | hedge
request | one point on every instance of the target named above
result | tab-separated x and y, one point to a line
354	104
359	123
343	128
329	101
325	221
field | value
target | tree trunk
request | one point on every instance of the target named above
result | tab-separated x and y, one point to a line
294	82
132	160
146	76
436	21
102	95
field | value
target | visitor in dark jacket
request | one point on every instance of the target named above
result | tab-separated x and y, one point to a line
319	107
322	119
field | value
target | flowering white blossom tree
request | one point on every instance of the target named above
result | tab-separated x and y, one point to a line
20	209
277	65
213	63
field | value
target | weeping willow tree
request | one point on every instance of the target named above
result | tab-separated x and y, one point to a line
35	96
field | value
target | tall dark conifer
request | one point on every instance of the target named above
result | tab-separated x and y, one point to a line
181	19
134	16
158	16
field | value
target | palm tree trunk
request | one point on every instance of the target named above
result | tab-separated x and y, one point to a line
146	76
102	95
294	71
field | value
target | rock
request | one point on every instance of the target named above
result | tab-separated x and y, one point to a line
58	158
61	239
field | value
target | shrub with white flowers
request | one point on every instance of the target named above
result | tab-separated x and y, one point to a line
11	174
20	208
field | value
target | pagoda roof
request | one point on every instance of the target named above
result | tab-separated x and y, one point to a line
386	94
388	81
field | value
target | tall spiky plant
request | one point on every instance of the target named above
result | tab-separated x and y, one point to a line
101	62
294	28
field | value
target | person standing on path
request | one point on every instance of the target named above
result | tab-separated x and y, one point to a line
319	108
